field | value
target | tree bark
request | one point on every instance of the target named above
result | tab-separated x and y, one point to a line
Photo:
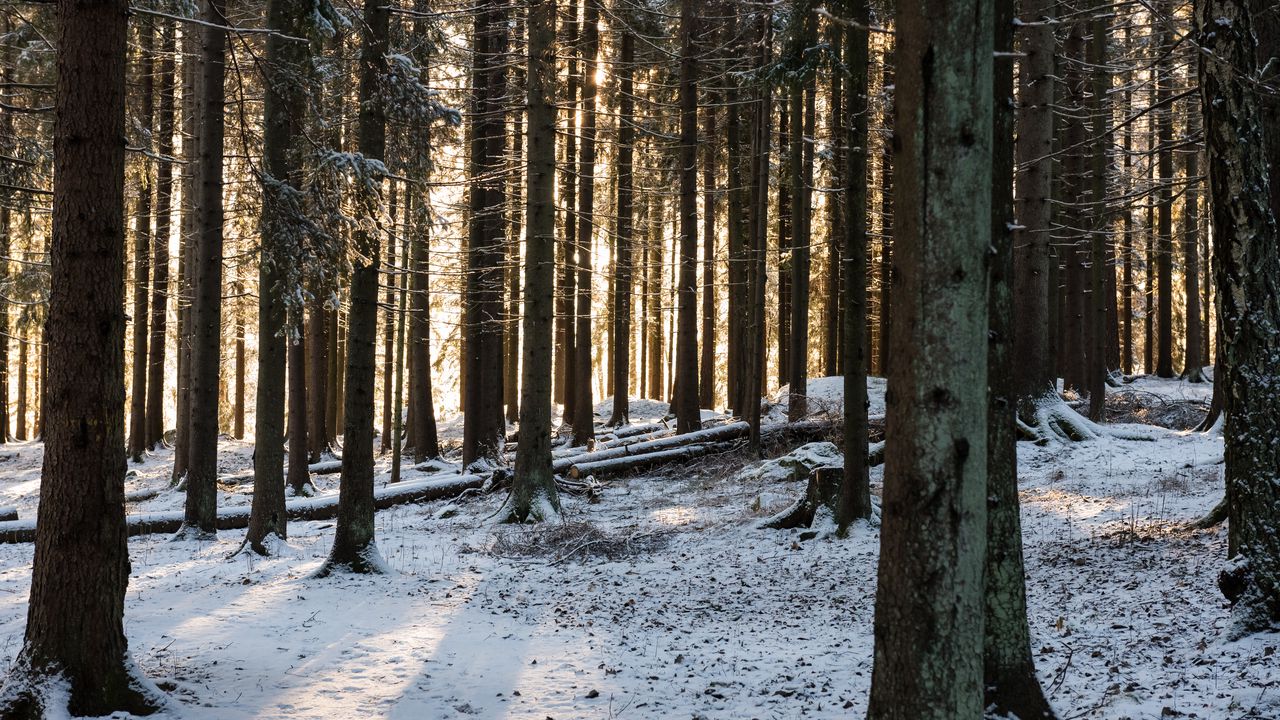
707	360
354	549
583	412
142	248
206	310
80	573
623	264
533	493
685	404
929	600
1246	258
160	256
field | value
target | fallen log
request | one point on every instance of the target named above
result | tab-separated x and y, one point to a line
8	514
323	507
721	433
633	463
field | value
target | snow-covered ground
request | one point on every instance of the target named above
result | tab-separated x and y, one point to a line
664	600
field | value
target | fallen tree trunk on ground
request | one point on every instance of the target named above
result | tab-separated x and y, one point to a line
721	433
8	514
324	507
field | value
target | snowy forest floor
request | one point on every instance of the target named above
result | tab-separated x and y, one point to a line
664	600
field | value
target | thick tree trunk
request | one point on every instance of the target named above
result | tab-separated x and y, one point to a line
80	572
753	365
685	403
206	269
1246	258
929	600
533	492
354	549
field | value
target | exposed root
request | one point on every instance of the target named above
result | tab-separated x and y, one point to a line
1214	517
1052	419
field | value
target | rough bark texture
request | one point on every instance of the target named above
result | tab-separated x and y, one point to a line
206	310
929	600
685	403
1246	256
707	358
483	425
802	111
354	549
1192	368
81	568
1009	673
533	491
855	491
1164	249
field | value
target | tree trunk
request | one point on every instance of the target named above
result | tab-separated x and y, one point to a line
685	404
624	262
886	219
533	492
354	549
1164	251
1033	375
160	257
753	365
802	106
929	600
75	629
206	269
389	323
1246	258
1009	672
707	360
1193	370
566	293
192	132
483	424
855	492
583	412
423	418
20	428
142	249
318	379
278	229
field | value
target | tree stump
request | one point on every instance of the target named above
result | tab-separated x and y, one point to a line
821	496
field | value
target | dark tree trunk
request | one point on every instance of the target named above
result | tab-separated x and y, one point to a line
886	222
483	425
318	380
1193	369
237	401
1009	672
298	477
802	118
160	256
1164	251
200	519
583	413
142	249
623	264
736	221
1097	321
389	323
423	417
707	360
855	492
20	429
515	219
533	493
354	549
280	178
1246	258
1033	374
81	568
192	138
786	234
685	403
753	365
566	293
929	600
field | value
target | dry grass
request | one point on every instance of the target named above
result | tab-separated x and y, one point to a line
574	539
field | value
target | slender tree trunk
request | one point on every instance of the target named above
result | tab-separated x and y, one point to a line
318	379
20	430
685	404
75	631
1033	374
533	494
142	249
624	262
1193	369
160	257
354	549
483	426
389	323
192	132
786	234
1164	251
515	219
298	478
583	413
886	221
566	292
855	493
929	599
237	406
423	417
753	366
200	519
707	361
1009	672
1098	321
802	117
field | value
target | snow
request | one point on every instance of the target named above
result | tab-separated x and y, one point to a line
663	600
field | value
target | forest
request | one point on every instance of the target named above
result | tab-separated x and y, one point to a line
907	359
